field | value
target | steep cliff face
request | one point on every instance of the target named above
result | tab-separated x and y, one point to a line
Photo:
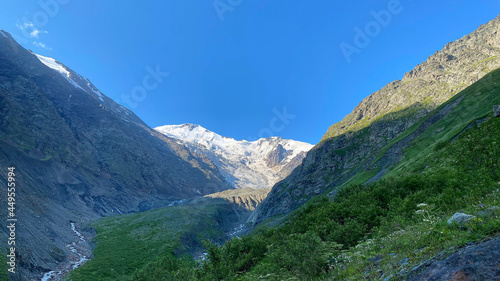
350	147
78	156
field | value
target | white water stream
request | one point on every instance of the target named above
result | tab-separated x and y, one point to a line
75	261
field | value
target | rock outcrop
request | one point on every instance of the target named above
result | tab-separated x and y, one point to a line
247	198
474	262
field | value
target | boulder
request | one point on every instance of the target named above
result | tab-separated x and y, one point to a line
460	218
496	111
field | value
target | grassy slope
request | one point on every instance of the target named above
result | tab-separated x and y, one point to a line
429	153
127	243
477	103
449	177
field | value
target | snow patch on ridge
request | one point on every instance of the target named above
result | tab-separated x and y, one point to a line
59	67
52	63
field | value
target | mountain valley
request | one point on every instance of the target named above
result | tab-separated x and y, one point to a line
405	186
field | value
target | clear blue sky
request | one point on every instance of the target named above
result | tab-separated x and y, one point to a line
228	75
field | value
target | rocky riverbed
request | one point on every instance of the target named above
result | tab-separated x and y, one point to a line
81	252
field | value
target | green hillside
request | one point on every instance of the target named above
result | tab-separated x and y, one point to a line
452	166
129	245
380	230
476	103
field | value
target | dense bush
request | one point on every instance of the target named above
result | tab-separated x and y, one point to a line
303	255
167	268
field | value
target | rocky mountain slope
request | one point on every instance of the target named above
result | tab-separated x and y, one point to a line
350	150
78	156
434	81
244	164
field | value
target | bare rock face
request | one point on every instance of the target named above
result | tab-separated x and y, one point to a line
475	262
276	156
496	111
350	146
78	156
247	198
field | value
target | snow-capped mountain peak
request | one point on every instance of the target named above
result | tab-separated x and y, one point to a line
255	164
